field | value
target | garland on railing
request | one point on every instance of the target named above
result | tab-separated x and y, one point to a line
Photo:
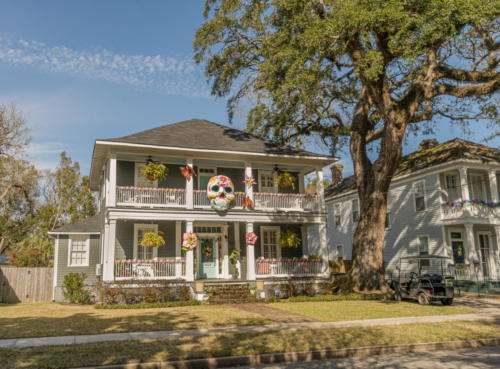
283	260
473	203
293	195
151	189
219	240
150	261
204	192
194	259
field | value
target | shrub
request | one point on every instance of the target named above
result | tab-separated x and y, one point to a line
273	299
152	305
348	297
74	288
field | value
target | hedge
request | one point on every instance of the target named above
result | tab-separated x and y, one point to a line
348	297
151	305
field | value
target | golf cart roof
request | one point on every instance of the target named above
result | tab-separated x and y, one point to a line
423	257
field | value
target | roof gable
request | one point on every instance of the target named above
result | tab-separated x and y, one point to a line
89	225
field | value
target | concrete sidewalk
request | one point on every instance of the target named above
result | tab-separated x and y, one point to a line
71	340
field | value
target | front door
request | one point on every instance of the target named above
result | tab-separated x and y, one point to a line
207	257
458	252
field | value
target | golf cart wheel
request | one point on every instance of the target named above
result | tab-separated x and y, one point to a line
422	299
447	302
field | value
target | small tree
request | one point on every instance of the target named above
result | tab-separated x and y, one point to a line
74	289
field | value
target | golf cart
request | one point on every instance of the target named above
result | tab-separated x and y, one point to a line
423	287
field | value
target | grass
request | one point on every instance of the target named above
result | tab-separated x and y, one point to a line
358	310
348	297
150	305
53	319
127	352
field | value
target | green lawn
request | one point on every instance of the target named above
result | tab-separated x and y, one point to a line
334	311
127	352
53	319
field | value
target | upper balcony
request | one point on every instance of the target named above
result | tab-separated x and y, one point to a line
470	194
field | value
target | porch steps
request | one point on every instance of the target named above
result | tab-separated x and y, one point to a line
233	294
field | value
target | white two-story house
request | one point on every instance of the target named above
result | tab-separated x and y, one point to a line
443	200
107	247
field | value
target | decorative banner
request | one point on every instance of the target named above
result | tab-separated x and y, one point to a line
473	203
459	266
220	192
251	238
189	241
249	181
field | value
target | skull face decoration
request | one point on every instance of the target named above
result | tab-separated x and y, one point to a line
220	192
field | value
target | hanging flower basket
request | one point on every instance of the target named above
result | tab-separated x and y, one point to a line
285	180
189	241
153	171
289	239
151	239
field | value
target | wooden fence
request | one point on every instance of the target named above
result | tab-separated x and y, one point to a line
26	284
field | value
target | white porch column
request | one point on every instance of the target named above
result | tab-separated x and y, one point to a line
248	172
323	246
464	183
189	255
471	245
189	187
250	256
320	189
237	245
492	173
305	244
178	250
302	188
112	180
225	248
109	260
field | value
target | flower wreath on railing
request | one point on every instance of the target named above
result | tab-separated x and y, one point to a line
473	203
151	189
283	260
306	196
150	261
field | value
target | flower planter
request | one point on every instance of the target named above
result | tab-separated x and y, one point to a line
200	286
260	285
151	177
234	273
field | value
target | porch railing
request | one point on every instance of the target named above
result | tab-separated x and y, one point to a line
288	267
285	201
468	209
145	196
200	199
150	269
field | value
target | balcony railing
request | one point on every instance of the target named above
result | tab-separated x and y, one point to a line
200	199
285	201
153	197
150	269
288	267
470	209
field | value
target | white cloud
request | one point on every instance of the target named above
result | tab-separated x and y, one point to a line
165	74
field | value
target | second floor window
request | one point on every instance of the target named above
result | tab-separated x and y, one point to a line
337	216
452	187
423	248
478	190
355	211
419	194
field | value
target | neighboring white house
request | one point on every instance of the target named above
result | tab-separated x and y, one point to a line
428	209
106	247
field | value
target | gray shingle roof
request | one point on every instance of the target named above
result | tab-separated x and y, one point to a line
204	135
89	225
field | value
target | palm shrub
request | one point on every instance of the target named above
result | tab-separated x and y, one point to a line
289	239
153	171
74	288
285	180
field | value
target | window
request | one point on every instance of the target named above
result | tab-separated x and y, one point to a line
340	252
266	183
388	220
477	184
204	175
142	252
423	248
419	193
203	230
140	181
355	211
337	215
452	187
484	251
78	248
269	242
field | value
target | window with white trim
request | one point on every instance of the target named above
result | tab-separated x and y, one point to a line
143	252
336	215
140	181
269	242
452	187
423	249
340	252
355	211
266	183
78	250
419	195
478	188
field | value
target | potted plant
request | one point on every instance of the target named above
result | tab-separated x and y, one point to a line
153	171
285	180
151	239
289	239
210	290
234	257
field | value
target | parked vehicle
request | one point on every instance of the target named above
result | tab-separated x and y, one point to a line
423	287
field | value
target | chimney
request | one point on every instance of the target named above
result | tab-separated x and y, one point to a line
336	173
428	144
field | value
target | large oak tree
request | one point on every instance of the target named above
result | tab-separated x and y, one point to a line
358	72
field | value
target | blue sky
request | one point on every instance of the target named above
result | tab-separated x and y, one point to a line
100	69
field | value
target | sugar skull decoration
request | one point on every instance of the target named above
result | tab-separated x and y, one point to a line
220	192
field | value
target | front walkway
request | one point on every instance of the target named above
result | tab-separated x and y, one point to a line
69	340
